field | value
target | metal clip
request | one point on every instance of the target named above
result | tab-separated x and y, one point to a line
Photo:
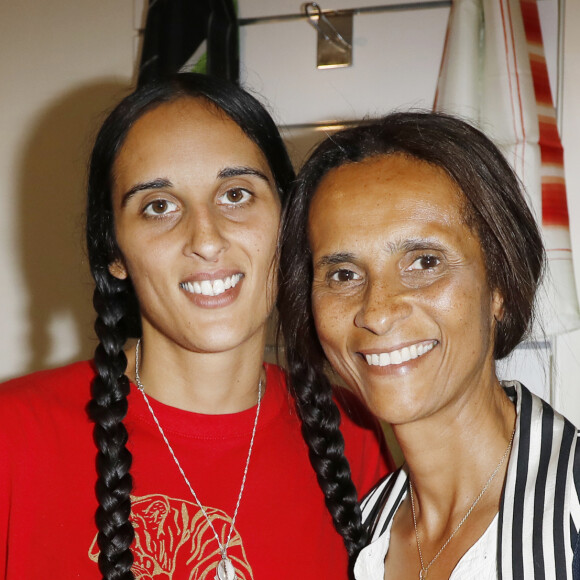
334	36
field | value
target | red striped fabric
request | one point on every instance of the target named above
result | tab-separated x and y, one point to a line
554	204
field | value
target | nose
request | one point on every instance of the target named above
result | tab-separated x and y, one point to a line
204	238
384	305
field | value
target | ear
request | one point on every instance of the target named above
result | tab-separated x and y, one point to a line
497	306
117	269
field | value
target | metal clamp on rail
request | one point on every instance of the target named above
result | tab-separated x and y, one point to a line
334	36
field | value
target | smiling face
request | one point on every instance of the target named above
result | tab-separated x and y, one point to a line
196	221
400	296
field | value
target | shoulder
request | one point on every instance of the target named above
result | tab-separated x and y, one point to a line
533	411
42	391
75	373
392	484
381	503
379	490
77	370
549	430
42	415
546	457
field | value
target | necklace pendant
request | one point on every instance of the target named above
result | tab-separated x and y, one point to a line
422	575
225	569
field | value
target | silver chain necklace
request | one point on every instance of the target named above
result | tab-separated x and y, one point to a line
225	568
425	569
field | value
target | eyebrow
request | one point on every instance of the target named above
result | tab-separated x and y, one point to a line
405	245
159	183
333	259
241	171
414	244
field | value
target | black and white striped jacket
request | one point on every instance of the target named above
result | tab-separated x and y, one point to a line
539	516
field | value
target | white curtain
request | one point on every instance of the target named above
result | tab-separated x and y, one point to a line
494	74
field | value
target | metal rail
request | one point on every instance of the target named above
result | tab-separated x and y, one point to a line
403	6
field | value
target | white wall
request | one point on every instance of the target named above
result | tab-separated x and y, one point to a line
62	64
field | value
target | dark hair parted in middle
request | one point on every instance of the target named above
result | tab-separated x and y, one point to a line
495	208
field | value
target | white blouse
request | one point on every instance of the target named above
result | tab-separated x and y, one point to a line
480	561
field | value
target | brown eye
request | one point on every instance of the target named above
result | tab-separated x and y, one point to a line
235	196
344	275
427	262
159	207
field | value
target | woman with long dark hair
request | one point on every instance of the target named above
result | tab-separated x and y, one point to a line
412	260
201	470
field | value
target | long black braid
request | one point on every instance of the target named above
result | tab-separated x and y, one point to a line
107	409
310	386
117	319
115	301
321	431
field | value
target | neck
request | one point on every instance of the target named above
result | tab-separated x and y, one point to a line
451	454
208	383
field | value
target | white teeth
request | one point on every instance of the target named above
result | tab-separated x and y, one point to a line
207	288
211	287
397	357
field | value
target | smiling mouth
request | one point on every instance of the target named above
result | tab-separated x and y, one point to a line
211	287
397	357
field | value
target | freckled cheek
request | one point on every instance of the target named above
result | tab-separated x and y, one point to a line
460	312
444	299
260	243
149	263
329	322
265	266
339	356
333	347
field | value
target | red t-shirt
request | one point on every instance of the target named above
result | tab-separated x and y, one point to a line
47	479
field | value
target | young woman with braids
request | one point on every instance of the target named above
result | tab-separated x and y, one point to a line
408	246
201	470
